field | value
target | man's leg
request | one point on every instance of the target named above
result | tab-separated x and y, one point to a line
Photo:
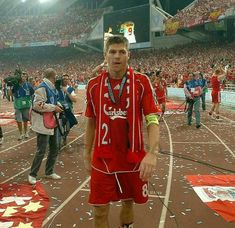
163	107
1	134
190	112
101	216
53	153
42	141
127	214
19	125
203	96
212	109
217	106
26	129
197	111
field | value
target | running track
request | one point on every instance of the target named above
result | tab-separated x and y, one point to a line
213	143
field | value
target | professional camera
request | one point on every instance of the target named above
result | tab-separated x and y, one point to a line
58	83
14	80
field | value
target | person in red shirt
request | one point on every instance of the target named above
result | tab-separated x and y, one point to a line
216	79
118	164
160	87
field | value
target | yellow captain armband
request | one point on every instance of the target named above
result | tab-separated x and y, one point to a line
151	119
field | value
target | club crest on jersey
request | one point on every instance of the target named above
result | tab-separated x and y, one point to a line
114	113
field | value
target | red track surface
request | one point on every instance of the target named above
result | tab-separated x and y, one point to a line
212	143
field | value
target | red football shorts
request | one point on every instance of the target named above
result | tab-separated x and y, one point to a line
105	188
161	100
216	97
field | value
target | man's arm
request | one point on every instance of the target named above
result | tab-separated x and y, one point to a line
72	96
148	164
89	140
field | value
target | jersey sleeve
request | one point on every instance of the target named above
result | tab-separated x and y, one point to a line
149	98
89	112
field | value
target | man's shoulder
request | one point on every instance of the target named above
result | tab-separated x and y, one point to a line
93	81
141	77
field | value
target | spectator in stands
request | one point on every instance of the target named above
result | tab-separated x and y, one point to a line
119	166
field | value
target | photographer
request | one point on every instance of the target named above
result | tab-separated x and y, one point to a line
9	82
67	97
22	92
193	91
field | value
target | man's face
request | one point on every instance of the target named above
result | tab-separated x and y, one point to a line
65	80
24	77
53	78
117	57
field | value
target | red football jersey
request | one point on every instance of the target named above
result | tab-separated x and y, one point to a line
215	83
118	128
160	90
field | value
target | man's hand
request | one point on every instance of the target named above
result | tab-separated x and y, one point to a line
87	163
147	166
58	109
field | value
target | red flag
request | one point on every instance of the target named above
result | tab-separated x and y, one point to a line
22	205
217	191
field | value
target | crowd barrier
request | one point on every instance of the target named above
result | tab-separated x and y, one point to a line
227	97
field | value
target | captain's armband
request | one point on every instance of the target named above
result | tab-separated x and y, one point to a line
151	119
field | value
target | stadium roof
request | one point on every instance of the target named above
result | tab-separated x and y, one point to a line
12	7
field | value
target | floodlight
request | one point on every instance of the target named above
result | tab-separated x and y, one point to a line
43	1
23	1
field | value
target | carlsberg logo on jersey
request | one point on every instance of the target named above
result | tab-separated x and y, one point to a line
115	113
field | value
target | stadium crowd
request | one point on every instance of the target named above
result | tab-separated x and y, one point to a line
175	63
52	27
202	10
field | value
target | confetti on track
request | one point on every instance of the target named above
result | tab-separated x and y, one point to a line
187	142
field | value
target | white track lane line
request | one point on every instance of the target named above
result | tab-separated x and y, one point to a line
229	150
46	220
23	171
169	180
7	132
23	142
201	143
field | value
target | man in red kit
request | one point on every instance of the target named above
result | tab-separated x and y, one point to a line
119	166
216	79
160	87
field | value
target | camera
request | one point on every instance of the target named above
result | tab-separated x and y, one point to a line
14	80
58	83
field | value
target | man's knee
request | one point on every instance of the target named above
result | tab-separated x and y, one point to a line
101	211
127	204
127	215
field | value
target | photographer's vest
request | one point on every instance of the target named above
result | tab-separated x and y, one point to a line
64	99
52	94
22	95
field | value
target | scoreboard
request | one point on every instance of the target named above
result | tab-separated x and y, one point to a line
133	23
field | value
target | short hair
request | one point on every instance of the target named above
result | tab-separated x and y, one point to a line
218	71
116	39
49	73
